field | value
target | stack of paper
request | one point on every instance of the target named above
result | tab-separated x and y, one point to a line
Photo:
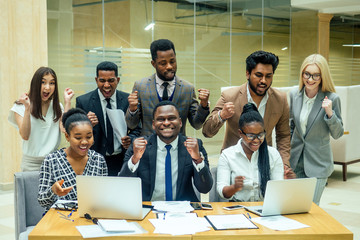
110	225
180	225
172	206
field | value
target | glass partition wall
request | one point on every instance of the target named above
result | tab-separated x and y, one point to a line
212	40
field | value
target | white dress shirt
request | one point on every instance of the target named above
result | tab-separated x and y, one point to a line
233	162
307	105
160	87
159	189
262	105
117	142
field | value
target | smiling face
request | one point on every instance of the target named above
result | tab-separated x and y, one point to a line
260	78
107	82
310	84
165	65
167	123
80	138
248	145
47	87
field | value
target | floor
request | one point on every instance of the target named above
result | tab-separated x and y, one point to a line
340	199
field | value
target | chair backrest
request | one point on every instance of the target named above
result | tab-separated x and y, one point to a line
28	212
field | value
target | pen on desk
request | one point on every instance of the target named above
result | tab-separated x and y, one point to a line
67	218
249	215
62	214
164	217
70	213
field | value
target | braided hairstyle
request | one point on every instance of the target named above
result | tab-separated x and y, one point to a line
249	115
74	117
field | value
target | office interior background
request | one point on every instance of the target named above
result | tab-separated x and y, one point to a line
212	40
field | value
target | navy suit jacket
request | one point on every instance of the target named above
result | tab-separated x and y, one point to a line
146	170
91	102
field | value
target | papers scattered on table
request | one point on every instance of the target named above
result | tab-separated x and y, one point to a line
95	231
280	223
230	221
111	225
180	225
172	206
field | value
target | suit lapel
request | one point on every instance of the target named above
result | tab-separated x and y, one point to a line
297	105
181	162
98	109
152	155
178	89
314	111
153	94
119	100
268	109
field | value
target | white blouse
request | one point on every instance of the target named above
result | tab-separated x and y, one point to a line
233	162
44	136
307	105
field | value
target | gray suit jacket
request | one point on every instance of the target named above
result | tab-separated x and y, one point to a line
186	171
184	97
315	144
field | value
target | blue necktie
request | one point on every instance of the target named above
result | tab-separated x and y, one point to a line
168	181
109	131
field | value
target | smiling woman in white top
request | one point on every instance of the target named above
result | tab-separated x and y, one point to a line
37	115
244	169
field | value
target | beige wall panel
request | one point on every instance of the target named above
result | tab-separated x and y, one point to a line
23	49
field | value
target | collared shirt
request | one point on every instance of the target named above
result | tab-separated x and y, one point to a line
233	162
159	189
160	87
262	105
117	142
307	105
56	167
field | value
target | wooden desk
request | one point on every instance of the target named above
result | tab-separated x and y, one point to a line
323	226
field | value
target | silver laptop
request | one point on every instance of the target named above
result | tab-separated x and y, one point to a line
286	197
110	197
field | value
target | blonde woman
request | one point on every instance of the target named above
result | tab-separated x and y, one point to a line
315	114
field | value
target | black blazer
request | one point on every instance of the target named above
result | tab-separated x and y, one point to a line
91	102
146	170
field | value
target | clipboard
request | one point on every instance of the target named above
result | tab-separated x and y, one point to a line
230	222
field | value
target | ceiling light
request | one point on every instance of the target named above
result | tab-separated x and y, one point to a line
149	26
352	45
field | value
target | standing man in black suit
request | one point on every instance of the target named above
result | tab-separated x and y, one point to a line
95	104
168	161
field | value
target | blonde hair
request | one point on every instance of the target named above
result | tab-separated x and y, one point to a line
327	84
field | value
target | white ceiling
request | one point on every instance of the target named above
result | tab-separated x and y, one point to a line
348	7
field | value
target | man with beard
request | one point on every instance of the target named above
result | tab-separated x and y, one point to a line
271	103
165	85
168	162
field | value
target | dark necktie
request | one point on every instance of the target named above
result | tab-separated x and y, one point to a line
165	93
109	131
168	181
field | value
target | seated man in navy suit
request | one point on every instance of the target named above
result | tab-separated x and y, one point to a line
95	104
168	161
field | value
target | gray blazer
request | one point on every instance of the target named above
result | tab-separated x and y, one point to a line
184	97
315	144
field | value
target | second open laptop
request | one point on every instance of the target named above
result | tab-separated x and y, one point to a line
110	197
286	197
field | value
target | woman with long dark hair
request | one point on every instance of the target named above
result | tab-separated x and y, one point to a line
244	169
37	115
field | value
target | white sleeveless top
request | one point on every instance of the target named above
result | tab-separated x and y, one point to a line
44	137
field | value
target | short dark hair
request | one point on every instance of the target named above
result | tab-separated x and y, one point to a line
106	66
261	57
73	117
164	103
251	114
161	45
